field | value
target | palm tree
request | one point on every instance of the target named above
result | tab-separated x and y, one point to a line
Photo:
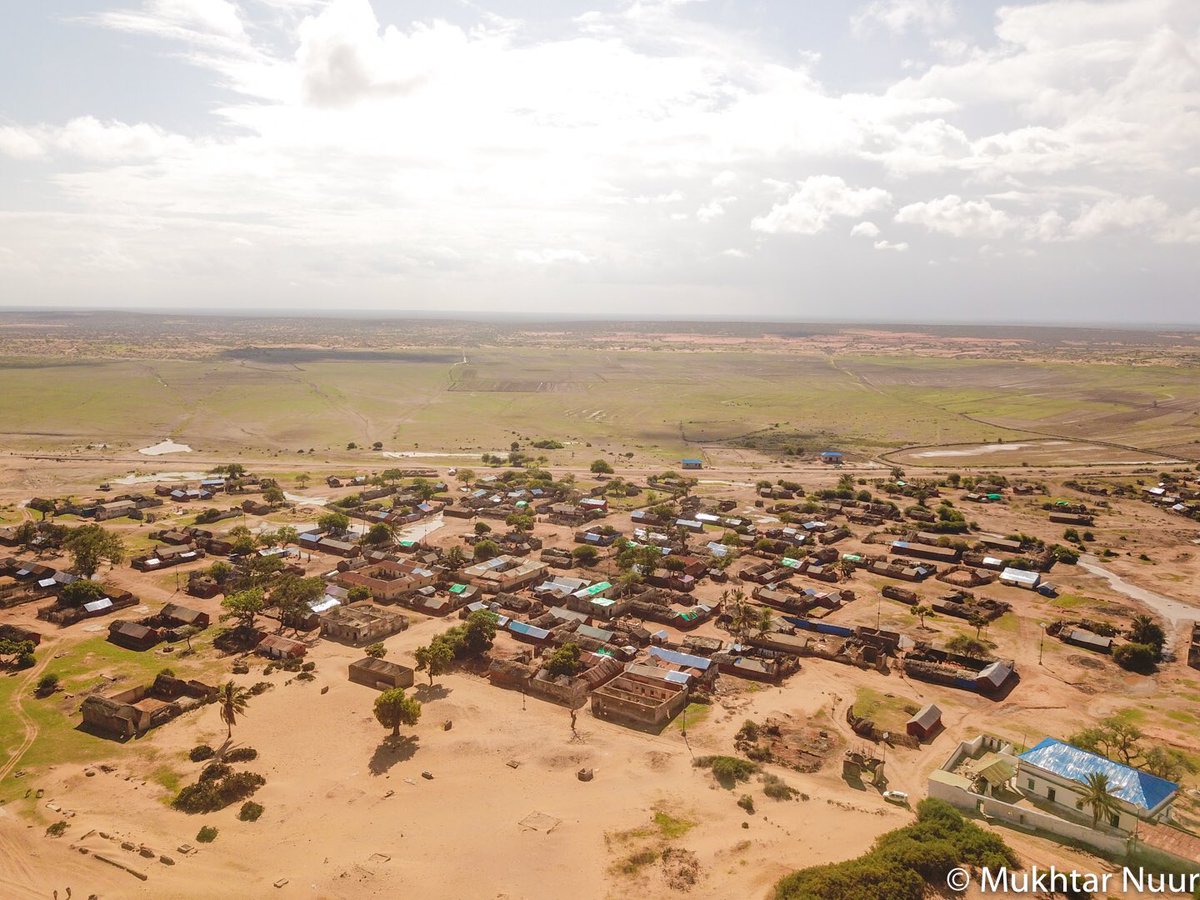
233	704
1097	796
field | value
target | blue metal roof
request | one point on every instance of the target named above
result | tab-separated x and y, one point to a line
681	659
532	631
1132	785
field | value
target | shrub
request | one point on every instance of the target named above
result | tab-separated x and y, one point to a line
214	794
241	754
214	771
728	770
47	684
1141	658
206	835
250	811
746	802
58	829
308	667
201	752
776	788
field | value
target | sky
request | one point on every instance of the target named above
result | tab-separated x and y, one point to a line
886	160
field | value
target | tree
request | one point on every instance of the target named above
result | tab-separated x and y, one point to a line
302	480
1144	630
333	521
585	555
600	467
15	652
241	540
482	528
1114	737
921	611
486	549
293	594
232	701
273	496
564	660
1097	797
90	545
357	593
466	476
231	470
243	606
220	571
287	535
764	621
454	557
80	592
423	488
1136	657
435	659
394	708
978	622
376	650
380	533
480	631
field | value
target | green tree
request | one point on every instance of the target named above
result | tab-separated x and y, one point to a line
273	496
1144	630
482	528
232	702
241	540
565	660
480	631
244	606
1097	798
423	488
466	476
302	480
454	557
80	592
333	521
1140	658
376	650
287	535
394	708
585	555
1114	737
12	652
600	467
379	534
90	545
435	659
486	549
921	611
357	593
293	594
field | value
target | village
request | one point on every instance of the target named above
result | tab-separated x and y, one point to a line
894	633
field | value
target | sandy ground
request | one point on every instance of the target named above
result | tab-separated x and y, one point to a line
331	830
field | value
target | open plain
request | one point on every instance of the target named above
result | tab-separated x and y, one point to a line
482	797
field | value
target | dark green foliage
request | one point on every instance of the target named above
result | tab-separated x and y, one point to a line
241	754
58	829
904	861
210	795
214	771
1141	658
728	770
201	752
206	835
250	811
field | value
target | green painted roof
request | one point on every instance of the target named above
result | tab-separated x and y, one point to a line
457	588
790	563
599	588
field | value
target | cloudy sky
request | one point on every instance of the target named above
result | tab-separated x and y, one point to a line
837	159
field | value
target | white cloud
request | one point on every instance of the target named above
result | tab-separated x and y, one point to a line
899	247
1118	214
899	16
953	216
88	138
713	209
865	229
817	200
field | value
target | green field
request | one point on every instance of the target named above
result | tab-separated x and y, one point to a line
662	403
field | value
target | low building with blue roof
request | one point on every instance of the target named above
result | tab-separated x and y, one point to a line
1055	772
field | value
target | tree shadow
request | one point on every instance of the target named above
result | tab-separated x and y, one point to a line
427	692
391	750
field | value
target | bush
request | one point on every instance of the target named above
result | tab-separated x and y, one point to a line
58	829
214	771
728	770
746	802
206	835
777	789
241	754
212	794
47	684
904	861
250	811
201	752
1141	658
308	667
